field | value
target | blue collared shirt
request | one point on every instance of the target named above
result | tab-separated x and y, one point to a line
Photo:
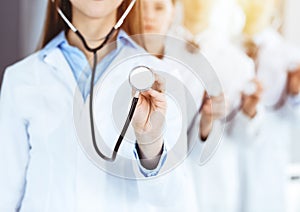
79	63
82	73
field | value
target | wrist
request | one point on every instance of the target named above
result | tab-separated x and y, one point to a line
205	127
147	159
250	113
149	148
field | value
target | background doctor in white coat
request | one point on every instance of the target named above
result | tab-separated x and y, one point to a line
264	157
218	180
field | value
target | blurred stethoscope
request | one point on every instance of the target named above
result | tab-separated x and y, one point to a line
141	79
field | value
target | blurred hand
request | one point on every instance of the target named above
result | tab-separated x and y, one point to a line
149	119
250	102
293	82
213	109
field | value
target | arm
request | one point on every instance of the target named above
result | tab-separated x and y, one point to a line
167	189
14	149
248	120
148	122
213	109
293	95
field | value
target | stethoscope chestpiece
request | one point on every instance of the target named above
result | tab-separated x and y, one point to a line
141	78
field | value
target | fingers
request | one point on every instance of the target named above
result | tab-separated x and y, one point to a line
253	99
249	104
156	97
258	89
294	69
214	107
293	82
159	84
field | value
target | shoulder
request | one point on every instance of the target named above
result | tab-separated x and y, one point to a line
24	70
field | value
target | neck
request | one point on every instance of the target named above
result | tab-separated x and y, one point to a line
92	29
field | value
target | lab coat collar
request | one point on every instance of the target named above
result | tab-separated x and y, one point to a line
57	61
122	39
52	55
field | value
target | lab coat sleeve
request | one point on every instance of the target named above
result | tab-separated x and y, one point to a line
148	172
292	108
195	141
166	190
202	150
14	149
243	126
172	191
162	187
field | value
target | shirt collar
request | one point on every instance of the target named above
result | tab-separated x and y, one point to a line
123	39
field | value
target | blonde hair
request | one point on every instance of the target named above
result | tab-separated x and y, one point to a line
259	14
196	14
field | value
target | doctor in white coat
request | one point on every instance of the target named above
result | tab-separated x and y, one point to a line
43	166
263	157
158	17
161	44
218	180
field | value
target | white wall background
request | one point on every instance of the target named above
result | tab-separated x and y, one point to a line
291	28
31	22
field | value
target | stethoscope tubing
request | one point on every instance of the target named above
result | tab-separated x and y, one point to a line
94	51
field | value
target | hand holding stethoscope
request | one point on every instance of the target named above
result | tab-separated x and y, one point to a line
149	116
142	79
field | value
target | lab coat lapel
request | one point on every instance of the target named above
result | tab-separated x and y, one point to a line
124	53
57	60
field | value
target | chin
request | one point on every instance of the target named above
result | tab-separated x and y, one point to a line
96	9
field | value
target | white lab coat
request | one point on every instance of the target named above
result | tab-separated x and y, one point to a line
43	168
218	179
263	157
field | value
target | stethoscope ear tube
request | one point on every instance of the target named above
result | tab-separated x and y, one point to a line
94	51
125	127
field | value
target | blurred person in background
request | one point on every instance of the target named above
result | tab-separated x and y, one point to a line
45	168
156	34
158	17
263	158
218	180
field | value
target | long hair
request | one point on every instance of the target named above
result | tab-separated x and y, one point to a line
54	23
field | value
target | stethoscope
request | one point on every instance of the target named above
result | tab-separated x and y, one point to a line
141	78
